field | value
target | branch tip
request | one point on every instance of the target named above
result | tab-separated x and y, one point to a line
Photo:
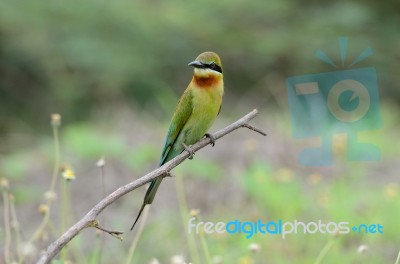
254	129
116	234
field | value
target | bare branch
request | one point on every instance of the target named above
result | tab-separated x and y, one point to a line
163	171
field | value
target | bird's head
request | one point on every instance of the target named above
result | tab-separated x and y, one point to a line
206	64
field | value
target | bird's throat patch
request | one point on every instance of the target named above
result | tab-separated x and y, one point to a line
206	81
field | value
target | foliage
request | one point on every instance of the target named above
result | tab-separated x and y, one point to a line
74	56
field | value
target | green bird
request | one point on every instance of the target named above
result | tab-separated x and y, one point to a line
197	109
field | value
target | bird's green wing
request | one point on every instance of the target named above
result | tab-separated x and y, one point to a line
181	116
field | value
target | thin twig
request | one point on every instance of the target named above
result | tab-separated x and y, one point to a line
55	123
101	164
55	247
324	250
7	226
183	208
398	258
15	226
255	129
116	234
139	232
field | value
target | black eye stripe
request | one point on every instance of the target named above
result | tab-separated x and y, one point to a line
213	67
201	65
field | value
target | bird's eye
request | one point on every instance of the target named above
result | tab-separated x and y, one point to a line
213	65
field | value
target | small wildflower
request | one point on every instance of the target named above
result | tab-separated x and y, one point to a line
245	260
323	199
314	178
254	247
177	259
43	209
68	174
217	260
194	212
154	261
28	249
391	191
362	249
284	175
4	183
50	196
101	162
55	120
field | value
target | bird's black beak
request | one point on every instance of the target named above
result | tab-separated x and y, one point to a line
196	64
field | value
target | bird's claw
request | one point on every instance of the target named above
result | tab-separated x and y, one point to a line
211	137
168	174
188	149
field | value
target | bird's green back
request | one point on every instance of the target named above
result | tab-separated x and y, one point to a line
179	119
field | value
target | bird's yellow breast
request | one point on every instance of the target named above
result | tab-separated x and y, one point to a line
206	105
208	92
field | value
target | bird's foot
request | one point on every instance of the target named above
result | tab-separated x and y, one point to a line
188	149
211	137
168	174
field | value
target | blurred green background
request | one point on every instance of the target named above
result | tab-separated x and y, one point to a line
114	70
